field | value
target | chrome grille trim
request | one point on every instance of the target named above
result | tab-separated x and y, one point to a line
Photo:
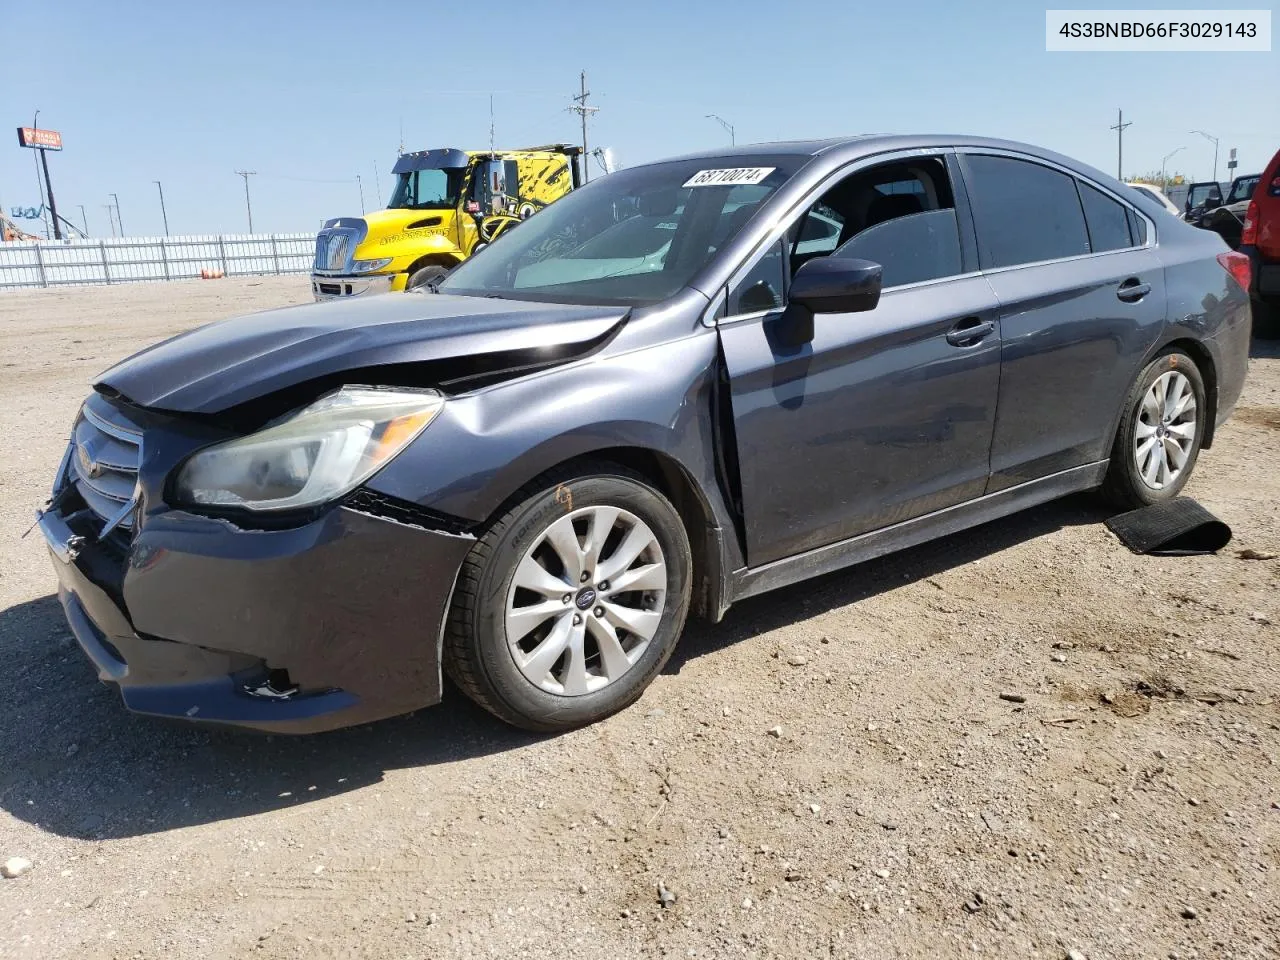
103	465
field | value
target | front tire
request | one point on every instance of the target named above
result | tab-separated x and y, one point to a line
431	274
1160	433
572	601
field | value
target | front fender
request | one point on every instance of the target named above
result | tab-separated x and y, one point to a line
486	445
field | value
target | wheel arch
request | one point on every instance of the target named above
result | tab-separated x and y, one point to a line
447	260
708	562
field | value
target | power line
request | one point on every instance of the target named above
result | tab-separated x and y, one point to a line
581	108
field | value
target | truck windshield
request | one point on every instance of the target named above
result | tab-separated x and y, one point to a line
633	237
436	189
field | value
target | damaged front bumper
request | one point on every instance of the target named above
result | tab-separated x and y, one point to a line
331	623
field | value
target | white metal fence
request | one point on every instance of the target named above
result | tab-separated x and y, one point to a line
128	259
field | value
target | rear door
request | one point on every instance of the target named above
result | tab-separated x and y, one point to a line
1082	299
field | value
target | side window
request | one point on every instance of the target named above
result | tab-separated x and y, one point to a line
513	179
1023	212
1108	224
900	215
1137	227
920	246
763	285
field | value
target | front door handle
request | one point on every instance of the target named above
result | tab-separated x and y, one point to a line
1133	290
970	331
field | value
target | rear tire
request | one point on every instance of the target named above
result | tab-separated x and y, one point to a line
424	276
537	633
1160	433
1266	319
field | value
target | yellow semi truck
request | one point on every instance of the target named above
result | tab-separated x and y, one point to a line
446	205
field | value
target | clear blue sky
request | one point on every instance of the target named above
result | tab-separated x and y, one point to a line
304	92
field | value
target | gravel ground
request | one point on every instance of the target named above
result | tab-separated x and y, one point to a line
1130	807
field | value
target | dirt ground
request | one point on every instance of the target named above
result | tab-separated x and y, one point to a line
1129	808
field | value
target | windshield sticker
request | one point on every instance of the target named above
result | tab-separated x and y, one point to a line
728	177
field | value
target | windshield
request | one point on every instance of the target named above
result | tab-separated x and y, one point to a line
1202	191
1243	188
435	189
634	237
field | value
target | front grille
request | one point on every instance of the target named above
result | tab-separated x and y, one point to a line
332	250
105	455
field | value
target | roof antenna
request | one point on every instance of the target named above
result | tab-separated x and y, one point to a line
401	137
491	150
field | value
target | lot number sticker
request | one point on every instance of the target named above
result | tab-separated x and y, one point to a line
728	177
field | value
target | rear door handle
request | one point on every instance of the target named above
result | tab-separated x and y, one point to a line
1133	290
970	331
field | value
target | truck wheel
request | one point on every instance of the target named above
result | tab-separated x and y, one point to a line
1161	429
572	601
1266	319
430	274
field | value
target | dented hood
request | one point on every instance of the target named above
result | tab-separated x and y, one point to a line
215	367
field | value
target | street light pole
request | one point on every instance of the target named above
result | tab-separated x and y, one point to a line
35	156
1209	136
110	219
247	206
726	124
162	212
83	219
119	222
1164	181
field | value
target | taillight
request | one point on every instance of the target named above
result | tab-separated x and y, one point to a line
1249	233
1238	265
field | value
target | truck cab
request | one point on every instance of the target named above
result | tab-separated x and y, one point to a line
446	204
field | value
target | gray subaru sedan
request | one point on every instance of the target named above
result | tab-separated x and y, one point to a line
684	384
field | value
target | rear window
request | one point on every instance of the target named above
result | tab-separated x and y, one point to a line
1024	212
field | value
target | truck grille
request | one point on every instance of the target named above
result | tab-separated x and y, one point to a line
104	459
331	251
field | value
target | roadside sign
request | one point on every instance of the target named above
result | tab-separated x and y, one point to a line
39	139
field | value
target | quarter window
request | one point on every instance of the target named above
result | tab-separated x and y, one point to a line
1108	225
1024	212
762	287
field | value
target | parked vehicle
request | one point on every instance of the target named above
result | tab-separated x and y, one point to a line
1260	243
1201	198
446	205
1227	220
799	356
1158	195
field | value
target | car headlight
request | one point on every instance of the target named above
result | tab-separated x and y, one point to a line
369	266
312	456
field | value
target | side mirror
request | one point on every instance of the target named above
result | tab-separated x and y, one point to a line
826	285
837	285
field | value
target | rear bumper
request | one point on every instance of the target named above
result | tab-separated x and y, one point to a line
325	287
199	618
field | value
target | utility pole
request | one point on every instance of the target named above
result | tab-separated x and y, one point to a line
162	212
110	219
248	207
1119	129
1209	136
581	108
119	222
360	184
83	219
726	124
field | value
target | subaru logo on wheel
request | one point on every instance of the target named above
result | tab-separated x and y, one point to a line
586	597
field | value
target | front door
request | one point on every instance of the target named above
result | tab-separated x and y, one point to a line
885	415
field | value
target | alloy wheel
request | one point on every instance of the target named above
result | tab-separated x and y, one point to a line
586	600
1165	434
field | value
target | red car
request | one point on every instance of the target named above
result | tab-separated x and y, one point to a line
1260	242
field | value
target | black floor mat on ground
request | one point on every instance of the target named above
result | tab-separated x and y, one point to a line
1178	527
